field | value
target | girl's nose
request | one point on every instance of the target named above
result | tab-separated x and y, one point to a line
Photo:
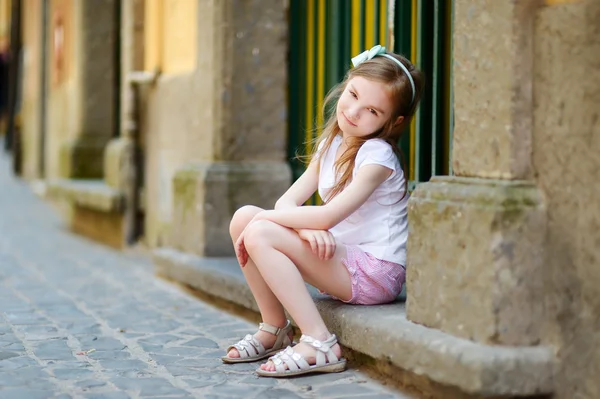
353	113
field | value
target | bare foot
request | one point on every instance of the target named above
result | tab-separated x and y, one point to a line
265	338
307	352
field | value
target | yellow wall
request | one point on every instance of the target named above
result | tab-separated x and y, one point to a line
171	35
4	22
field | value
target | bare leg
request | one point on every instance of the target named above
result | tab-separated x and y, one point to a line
271	309
285	262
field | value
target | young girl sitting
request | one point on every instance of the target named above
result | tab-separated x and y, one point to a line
352	247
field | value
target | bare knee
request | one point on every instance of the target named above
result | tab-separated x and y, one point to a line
260	234
241	218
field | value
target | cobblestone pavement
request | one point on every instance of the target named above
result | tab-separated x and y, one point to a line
79	320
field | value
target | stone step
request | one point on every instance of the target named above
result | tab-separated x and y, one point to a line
87	193
384	333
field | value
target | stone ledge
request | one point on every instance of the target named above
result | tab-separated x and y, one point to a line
384	333
91	194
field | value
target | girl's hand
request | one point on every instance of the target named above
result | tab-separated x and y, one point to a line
321	242
240	250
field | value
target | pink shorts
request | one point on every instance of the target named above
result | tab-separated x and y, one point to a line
374	281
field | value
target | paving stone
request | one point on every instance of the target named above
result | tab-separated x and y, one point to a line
205	380
17	363
120	364
56	349
201	343
179	371
238	391
102	343
343	391
39	333
15	346
148	386
147	334
152	348
183	352
159	339
279	394
88	384
159	326
7	355
83	329
318	379
200	363
14	393
31	372
25	318
256	380
109	355
72	374
195	333
107	395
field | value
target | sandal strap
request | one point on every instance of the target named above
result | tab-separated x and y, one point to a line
290	358
271	328
324	353
248	347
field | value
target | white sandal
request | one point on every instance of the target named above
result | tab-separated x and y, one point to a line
327	361
251	349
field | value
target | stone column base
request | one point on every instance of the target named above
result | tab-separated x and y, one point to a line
475	259
117	162
206	194
83	158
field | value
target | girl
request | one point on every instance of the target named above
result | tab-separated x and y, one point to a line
352	247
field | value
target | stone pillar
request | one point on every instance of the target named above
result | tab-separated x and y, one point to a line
81	156
475	249
242	77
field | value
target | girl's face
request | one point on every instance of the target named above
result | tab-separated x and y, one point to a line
364	107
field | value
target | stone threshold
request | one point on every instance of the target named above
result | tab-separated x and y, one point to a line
92	194
383	333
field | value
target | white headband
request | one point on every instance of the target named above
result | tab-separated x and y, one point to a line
379	50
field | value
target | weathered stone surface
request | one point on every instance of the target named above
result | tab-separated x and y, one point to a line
93	194
474	368
82	158
231	107
566	150
492	88
206	195
117	159
475	254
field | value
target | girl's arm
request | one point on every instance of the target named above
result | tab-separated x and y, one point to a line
301	190
324	217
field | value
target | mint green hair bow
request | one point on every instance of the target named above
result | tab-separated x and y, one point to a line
368	55
380	50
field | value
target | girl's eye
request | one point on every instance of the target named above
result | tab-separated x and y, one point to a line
373	111
353	94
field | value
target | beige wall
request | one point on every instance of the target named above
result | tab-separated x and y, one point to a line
30	111
215	112
63	101
566	158
172	109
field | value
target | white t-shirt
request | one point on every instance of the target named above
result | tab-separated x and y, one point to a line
380	225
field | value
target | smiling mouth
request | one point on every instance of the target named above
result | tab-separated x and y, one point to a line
348	120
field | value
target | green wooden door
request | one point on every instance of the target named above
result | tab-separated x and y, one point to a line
326	34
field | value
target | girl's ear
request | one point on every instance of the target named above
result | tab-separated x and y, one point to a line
399	120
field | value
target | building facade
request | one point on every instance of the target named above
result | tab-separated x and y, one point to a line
154	120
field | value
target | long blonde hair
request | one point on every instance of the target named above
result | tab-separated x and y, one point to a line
380	69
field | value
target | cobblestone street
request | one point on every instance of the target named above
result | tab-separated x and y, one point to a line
79	320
